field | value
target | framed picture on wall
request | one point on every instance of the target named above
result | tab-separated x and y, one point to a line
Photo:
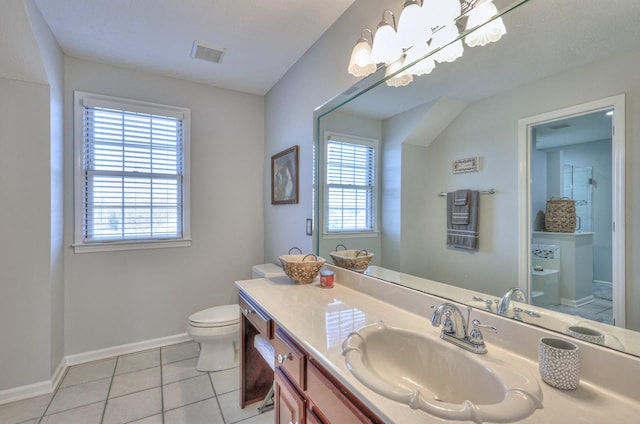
284	177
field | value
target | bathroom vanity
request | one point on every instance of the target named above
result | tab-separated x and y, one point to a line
307	325
303	390
576	265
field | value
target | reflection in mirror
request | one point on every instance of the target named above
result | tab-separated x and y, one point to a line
555	55
571	165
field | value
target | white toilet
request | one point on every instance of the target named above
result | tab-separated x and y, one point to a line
217	329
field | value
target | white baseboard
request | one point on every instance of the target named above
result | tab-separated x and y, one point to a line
576	303
49	386
24	392
58	374
96	355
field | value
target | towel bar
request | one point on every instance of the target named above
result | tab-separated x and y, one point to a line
490	191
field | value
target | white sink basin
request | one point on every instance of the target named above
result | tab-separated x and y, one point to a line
427	373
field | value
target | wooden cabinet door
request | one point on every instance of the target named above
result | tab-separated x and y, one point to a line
290	406
313	418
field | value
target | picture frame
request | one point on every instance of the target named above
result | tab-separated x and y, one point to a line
461	166
284	177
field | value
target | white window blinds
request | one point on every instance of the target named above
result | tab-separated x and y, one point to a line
350	190
132	165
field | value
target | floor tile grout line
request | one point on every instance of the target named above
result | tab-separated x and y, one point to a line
104	409
64	411
55	392
161	388
190	403
215	392
38	419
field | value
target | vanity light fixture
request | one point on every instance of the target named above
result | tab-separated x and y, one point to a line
361	64
425	26
386	46
444	39
489	32
401	79
426	65
411	25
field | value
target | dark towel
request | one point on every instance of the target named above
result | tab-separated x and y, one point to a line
463	236
460	210
461	197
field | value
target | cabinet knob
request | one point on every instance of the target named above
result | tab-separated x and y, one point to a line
248	311
282	358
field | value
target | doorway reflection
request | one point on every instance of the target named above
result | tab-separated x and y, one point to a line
572	272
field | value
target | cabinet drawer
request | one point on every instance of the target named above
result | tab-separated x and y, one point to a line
291	358
331	403
259	319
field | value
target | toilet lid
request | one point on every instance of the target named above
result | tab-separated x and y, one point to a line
217	316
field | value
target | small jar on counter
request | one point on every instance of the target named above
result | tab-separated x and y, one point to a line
326	278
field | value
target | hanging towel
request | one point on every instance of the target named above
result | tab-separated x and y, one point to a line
463	235
461	197
460	210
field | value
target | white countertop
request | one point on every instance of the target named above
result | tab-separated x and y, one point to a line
320	319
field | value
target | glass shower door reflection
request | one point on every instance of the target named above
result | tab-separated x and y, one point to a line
578	185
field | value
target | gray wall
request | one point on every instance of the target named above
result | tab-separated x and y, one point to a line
54	302
488	128
318	76
114	298
31	210
25	290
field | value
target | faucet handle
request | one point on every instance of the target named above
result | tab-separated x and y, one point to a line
447	323
475	337
488	304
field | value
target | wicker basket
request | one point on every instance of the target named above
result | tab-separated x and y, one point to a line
354	260
560	216
301	268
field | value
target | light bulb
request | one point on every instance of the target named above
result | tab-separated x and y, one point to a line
424	66
400	80
490	31
412	26
451	50
361	64
386	47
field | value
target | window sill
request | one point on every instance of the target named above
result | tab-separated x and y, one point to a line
349	235
140	245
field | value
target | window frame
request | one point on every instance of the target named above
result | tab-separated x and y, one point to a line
80	245
364	141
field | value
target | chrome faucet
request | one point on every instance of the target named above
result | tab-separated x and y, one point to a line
514	293
454	328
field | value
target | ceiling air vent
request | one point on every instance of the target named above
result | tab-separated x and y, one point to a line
558	126
208	53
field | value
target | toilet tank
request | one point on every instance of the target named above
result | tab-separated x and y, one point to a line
266	271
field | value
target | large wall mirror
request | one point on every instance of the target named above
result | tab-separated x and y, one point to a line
537	112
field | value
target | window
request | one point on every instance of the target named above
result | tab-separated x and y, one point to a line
350	188
132	180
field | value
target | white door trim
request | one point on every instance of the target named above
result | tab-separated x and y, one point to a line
618	200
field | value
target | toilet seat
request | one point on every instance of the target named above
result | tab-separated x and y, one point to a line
218	316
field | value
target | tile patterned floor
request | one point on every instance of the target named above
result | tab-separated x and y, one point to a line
600	310
159	386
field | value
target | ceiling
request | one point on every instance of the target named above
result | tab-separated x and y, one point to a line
586	128
263	39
